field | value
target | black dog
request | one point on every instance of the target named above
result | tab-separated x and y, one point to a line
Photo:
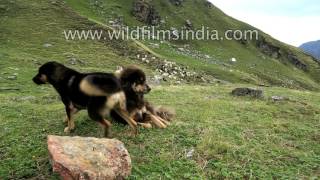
100	93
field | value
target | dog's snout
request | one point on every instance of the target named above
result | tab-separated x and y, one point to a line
37	79
148	89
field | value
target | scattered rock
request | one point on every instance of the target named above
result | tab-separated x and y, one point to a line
188	24
89	158
279	98
233	60
162	21
117	22
145	12
154	45
177	2
187	51
190	153
181	49
172	72
23	99
47	45
54	2
75	61
13	77
49	99
247	92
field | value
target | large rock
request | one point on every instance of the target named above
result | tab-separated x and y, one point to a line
268	48
247	92
89	158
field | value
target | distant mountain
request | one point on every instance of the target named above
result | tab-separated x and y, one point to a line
312	48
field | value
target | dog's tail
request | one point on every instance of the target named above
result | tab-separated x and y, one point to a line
165	113
100	84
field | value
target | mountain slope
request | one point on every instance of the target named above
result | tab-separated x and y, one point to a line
312	48
256	64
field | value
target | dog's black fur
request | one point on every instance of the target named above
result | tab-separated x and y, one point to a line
99	93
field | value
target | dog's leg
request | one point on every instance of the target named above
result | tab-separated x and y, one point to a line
71	111
107	127
167	123
98	116
66	119
132	123
157	121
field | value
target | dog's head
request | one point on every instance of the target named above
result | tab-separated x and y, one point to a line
48	73
134	79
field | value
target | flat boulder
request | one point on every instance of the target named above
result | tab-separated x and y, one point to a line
255	93
89	158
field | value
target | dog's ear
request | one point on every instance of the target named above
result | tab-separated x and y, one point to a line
118	71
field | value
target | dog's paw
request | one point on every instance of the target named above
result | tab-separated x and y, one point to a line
146	125
67	130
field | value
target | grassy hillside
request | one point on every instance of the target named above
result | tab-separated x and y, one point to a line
253	65
215	135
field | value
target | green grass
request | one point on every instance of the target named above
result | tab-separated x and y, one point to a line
232	138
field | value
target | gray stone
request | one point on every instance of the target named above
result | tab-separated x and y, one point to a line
279	98
189	24
247	92
13	77
47	45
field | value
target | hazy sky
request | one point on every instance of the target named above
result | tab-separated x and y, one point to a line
290	21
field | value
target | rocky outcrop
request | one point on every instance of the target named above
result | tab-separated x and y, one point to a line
255	93
89	158
275	52
208	4
268	49
177	2
295	61
145	12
